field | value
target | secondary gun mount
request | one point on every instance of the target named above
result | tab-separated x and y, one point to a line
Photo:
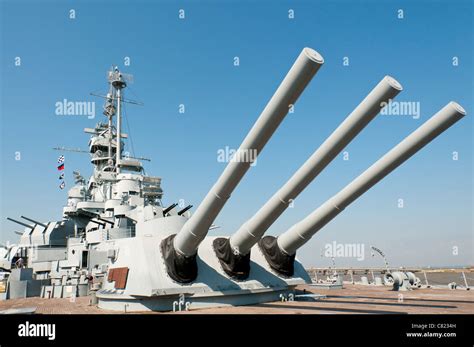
280	252
180	250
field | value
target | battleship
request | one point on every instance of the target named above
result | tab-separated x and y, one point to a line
119	243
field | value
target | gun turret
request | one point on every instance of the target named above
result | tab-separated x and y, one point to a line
184	210
169	208
280	252
180	250
233	252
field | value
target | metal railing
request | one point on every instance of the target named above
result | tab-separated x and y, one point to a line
430	278
119	233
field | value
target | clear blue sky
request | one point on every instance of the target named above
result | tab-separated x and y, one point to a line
191	62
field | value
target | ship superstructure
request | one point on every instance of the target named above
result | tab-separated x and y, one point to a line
73	251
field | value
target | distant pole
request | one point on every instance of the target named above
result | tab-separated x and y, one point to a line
110	161
465	280
119	129
426	279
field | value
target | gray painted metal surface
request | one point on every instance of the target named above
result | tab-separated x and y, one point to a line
300	74
23	310
252	230
301	232
21	284
149	287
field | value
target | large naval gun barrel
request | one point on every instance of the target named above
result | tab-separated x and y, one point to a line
180	250
280	252
233	253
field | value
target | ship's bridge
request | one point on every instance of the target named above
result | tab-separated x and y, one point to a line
130	165
134	184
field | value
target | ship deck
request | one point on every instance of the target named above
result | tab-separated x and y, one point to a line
352	299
